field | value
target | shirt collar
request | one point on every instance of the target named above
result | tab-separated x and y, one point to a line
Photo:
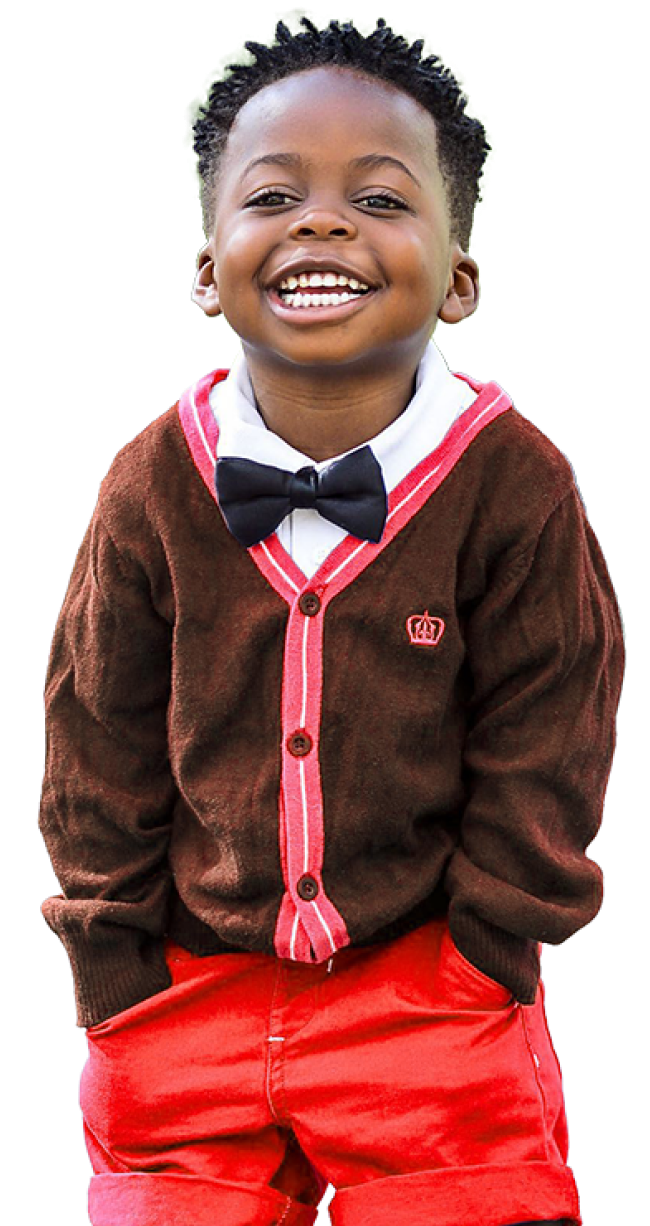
438	399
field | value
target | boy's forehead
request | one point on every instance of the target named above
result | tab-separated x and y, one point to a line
356	110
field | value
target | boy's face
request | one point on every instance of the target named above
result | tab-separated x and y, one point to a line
330	172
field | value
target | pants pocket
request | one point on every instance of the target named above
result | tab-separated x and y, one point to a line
464	983
127	1055
175	958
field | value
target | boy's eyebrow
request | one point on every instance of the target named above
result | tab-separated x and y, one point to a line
294	159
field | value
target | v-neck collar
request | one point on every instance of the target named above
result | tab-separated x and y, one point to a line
351	556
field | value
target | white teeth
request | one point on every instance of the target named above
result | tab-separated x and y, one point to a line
316	280
316	300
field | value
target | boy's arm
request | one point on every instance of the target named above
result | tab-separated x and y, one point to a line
545	649
108	792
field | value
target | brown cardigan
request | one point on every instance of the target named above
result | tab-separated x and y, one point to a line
430	731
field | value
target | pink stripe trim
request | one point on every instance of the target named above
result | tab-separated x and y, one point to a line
278	567
302	801
199	425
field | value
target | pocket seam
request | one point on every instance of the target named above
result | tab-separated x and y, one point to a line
123	1014
487	980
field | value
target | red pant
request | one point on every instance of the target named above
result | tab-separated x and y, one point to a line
398	1073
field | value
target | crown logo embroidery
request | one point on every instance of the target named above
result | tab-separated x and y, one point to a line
425	631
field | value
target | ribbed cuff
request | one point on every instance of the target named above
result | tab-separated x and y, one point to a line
113	967
511	960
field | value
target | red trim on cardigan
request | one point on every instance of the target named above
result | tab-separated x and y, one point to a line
302	806
308	929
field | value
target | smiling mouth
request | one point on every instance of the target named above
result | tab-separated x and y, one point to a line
318	290
304	305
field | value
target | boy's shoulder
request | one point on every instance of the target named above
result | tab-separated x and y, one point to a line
147	474
509	482
153	443
516	460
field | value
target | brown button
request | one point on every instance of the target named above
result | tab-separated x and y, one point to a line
309	604
307	887
299	744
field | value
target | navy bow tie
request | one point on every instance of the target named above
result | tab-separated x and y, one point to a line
255	498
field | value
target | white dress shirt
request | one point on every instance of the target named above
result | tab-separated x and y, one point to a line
438	400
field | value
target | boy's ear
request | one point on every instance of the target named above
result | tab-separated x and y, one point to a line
462	290
204	291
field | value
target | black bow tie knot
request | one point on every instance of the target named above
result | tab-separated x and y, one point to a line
303	488
255	498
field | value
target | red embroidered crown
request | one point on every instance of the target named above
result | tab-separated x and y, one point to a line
425	631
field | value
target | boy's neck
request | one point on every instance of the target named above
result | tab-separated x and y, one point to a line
324	415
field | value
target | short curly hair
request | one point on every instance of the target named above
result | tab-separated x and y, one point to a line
462	145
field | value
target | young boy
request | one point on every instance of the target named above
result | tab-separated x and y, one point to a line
330	703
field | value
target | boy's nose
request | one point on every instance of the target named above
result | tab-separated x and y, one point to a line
322	223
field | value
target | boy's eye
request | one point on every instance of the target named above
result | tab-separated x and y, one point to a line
269	198
382	200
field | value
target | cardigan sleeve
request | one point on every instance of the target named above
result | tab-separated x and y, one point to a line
108	793
545	651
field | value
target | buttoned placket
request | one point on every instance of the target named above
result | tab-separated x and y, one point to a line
309	922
